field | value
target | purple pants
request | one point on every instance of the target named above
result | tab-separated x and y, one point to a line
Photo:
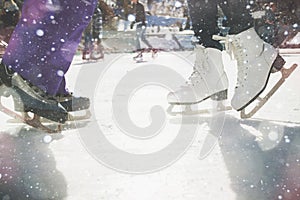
45	40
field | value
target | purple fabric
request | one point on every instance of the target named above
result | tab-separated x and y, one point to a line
45	40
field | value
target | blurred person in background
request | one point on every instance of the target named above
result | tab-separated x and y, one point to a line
93	48
138	11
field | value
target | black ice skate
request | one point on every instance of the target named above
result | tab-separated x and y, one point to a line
77	108
27	99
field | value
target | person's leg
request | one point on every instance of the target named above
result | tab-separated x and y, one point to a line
208	78
255	58
203	15
143	37
97	48
87	36
39	54
138	36
45	40
238	16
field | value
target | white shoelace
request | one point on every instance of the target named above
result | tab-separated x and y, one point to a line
236	52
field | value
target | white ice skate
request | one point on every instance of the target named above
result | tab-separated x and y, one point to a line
255	60
208	80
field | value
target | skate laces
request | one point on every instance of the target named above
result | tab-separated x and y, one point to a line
236	52
195	74
201	66
233	47
201	63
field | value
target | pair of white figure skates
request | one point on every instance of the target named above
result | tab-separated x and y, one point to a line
255	60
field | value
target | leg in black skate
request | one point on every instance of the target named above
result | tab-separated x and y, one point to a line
23	117
77	108
26	99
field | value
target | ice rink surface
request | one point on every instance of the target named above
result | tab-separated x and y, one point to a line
211	156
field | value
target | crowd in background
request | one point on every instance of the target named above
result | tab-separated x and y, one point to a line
287	12
283	14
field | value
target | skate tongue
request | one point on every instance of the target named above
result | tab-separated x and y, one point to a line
227	41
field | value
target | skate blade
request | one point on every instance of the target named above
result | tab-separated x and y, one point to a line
189	112
91	60
71	118
261	101
31	121
139	57
68	125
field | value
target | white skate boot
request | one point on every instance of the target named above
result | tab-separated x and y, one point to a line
208	79
255	60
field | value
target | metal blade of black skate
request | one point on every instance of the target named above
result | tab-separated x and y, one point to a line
33	122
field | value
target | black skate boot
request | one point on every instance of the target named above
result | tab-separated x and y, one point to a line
28	98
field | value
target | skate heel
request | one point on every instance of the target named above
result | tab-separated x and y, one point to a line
26	99
219	96
23	102
278	64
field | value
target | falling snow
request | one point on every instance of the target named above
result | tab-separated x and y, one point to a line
252	158
60	73
238	167
40	33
